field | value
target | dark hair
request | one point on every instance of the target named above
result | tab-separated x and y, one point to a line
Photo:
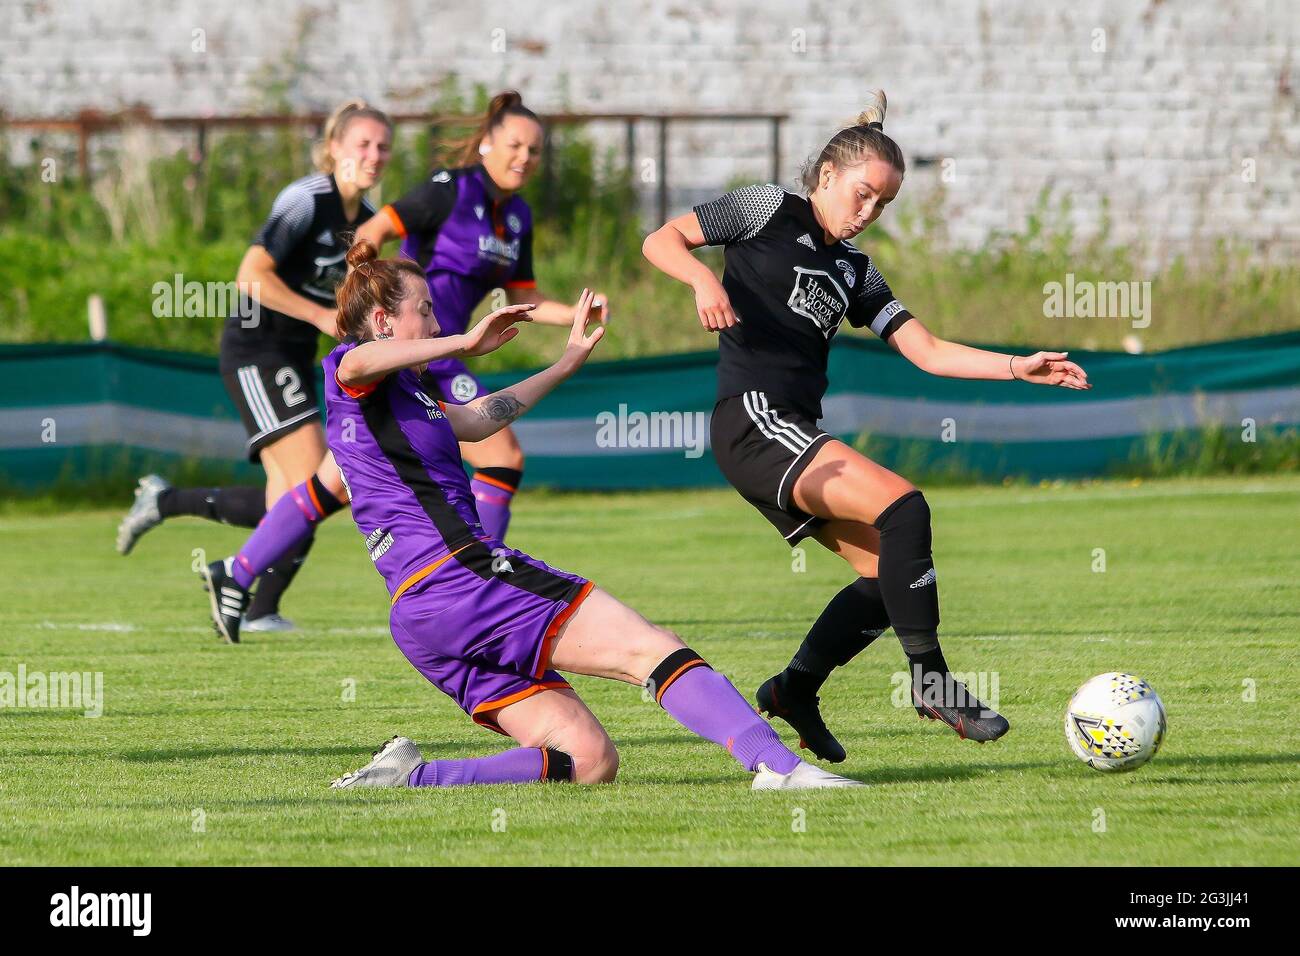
851	145
505	103
371	282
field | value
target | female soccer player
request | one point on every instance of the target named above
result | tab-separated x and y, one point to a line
471	232
791	277
268	362
489	625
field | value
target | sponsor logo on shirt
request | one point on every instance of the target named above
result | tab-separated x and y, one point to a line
429	405
478	210
503	252
442	177
330	273
818	297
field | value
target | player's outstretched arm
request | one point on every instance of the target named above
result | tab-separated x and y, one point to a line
488	415
371	361
551	312
938	356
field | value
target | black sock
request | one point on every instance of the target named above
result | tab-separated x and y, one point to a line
507	476
851	621
908	584
275	580
242	505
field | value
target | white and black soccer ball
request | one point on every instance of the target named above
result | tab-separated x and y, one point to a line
1115	722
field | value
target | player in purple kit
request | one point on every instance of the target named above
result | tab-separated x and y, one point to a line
489	625
471	232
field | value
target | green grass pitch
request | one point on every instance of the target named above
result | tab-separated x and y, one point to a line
208	754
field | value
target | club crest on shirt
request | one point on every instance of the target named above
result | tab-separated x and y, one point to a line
463	387
850	276
513	222
818	297
442	177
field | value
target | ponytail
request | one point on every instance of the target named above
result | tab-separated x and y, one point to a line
864	137
505	103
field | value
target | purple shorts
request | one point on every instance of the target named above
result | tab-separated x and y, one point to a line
481	627
454	381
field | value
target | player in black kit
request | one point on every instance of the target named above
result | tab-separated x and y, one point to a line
268	348
791	277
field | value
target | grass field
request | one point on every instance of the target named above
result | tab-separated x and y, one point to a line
208	754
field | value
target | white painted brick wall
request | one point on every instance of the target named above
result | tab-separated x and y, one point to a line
1159	123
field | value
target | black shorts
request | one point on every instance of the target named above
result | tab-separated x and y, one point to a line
762	447
275	394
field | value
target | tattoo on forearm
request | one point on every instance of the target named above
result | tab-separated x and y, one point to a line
501	408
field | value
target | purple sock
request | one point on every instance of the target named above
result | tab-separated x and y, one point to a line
522	765
705	703
493	498
285	526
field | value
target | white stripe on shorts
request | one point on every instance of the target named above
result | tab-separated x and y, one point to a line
797	433
763	424
255	396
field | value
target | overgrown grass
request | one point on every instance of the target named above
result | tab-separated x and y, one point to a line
148	217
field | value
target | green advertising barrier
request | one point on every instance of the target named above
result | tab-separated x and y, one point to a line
76	413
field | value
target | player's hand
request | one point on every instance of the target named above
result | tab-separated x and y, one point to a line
1050	368
713	306
495	330
580	341
599	309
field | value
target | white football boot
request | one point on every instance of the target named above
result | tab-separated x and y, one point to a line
143	514
268	623
392	766
803	777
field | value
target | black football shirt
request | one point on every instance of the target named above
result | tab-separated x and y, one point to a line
791	290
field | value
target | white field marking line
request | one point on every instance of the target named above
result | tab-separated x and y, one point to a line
73	625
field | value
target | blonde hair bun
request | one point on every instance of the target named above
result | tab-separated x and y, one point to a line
874	111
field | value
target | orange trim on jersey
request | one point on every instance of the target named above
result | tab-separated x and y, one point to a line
676	674
544	658
479	476
522	284
355	391
546	754
423	573
482	714
395	219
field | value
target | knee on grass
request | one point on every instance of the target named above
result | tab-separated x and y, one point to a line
595	759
